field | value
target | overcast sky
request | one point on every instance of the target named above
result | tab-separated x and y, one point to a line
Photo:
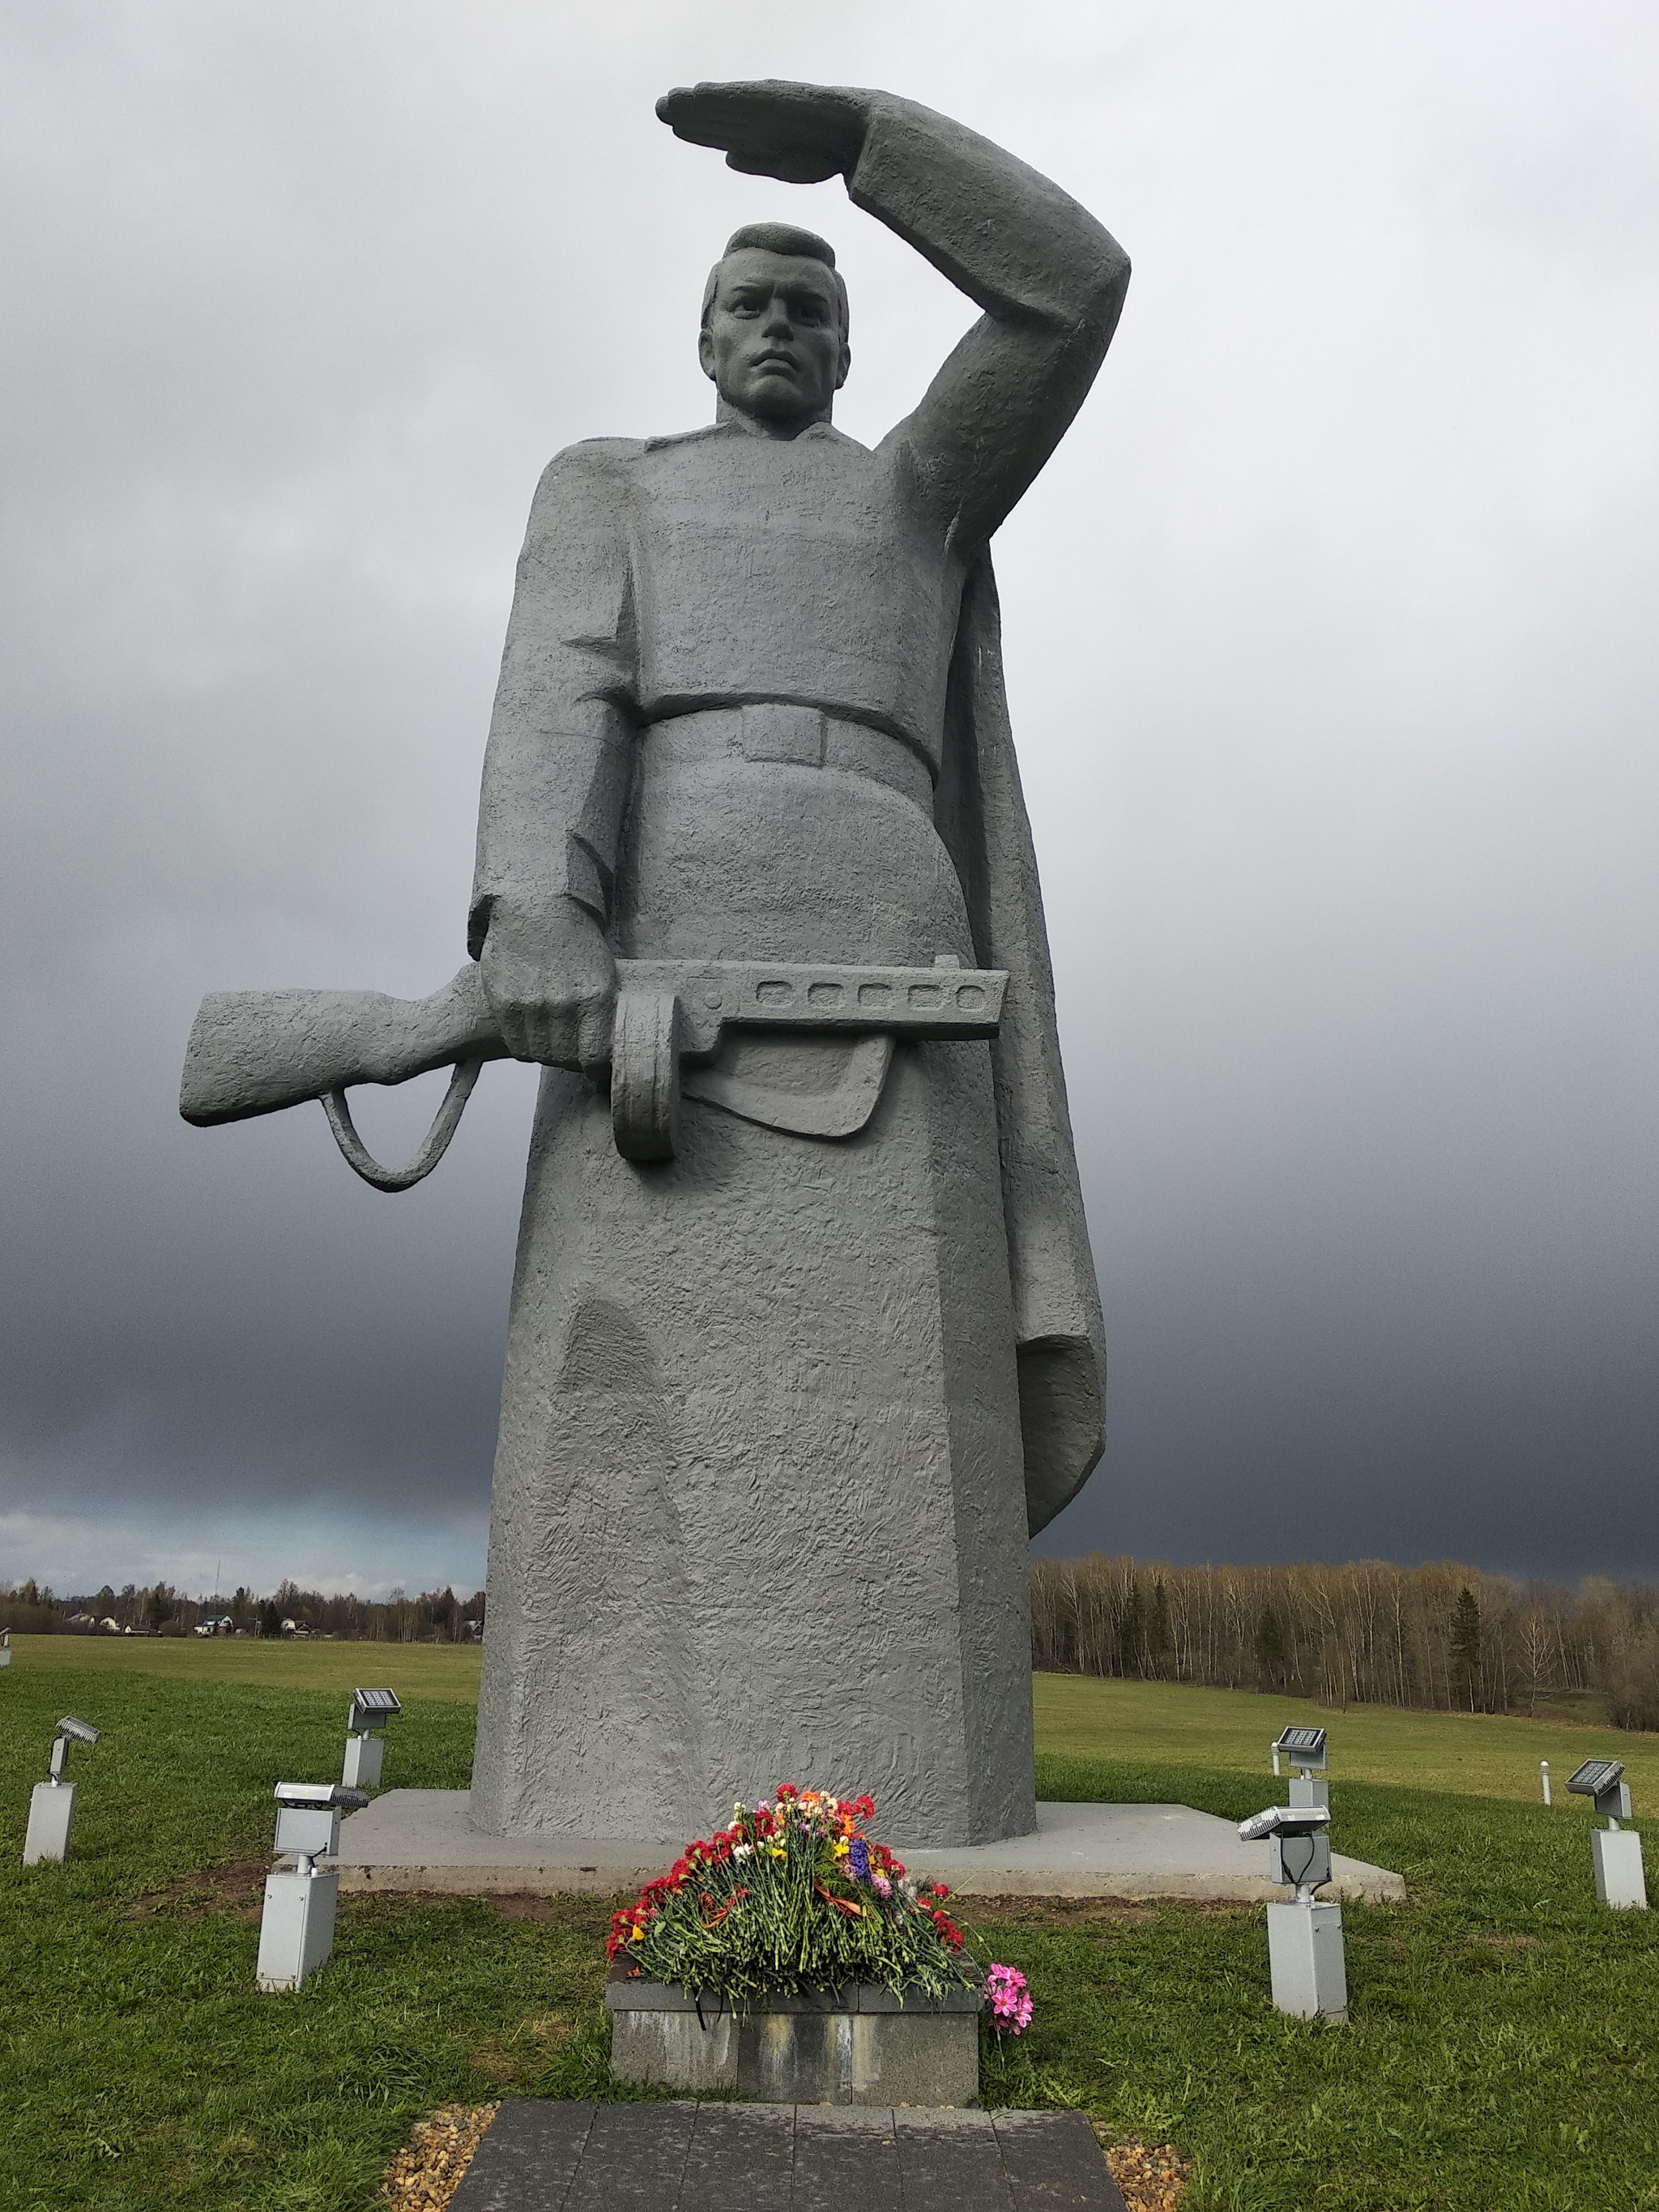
1333	660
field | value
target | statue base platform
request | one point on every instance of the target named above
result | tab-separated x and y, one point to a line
410	1841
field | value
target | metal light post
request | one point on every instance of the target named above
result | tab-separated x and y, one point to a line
52	1806
1617	1851
296	1928
365	1752
1304	1938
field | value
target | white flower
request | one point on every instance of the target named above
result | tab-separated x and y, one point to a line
741	1851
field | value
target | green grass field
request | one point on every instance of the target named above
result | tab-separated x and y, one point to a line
1470	1754
1503	2055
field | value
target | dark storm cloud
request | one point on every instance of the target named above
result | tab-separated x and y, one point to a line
1334	671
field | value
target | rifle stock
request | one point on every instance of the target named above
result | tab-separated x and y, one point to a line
256	1052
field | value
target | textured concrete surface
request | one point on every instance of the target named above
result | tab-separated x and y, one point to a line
545	2156
779	1412
423	1840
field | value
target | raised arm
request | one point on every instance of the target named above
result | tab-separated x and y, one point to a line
1049	278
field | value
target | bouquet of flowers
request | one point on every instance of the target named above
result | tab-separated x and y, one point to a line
792	1896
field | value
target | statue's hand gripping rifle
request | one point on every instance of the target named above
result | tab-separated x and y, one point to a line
256	1052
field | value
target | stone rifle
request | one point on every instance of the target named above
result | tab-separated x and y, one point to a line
256	1052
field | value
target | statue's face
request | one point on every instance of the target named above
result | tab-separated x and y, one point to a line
773	343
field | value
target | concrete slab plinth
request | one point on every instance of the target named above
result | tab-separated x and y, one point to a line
791	2158
423	1840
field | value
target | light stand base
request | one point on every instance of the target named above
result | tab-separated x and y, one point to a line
1619	1881
364	1757
51	1816
296	1928
1305	1954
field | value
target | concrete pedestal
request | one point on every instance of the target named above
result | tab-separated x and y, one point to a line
51	1816
1304	1954
296	1930
1619	1880
858	2045
424	1840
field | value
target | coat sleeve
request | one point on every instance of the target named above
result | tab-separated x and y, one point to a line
560	745
1059	1339
1051	283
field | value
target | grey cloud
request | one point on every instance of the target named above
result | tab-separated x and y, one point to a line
1330	639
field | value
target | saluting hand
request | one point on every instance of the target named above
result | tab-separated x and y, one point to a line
802	133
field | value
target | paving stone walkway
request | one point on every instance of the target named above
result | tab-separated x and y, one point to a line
542	2155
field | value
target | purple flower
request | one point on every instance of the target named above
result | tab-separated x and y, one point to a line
858	1859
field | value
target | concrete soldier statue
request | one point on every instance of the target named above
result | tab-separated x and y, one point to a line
805	1333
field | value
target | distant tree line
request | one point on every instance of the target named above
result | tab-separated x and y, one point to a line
1441	1637
158	1609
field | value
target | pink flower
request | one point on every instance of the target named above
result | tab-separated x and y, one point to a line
1009	1998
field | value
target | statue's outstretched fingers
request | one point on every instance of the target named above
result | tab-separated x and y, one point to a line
801	133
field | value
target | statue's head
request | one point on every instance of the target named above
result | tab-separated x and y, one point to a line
775	327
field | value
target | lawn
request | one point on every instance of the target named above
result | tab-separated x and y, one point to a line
1503	2052
1469	1754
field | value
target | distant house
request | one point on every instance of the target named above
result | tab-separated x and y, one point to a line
216	1624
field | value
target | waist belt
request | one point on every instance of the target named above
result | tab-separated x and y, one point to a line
803	737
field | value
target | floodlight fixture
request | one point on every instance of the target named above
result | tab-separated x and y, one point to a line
1285	1819
52	1805
365	1752
1603	1780
308	1817
1300	1852
296	1927
1304	1750
371	1709
1620	1880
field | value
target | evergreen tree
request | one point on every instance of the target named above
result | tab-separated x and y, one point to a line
1270	1647
1158	1630
1465	1644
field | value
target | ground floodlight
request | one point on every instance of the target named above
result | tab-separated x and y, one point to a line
296	1928
1620	1881
1304	1938
309	1817
1603	1780
52	1805
5	1647
1303	1750
1300	1847
365	1752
